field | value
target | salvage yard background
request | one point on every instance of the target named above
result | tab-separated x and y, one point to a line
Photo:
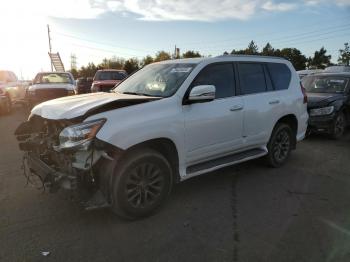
300	212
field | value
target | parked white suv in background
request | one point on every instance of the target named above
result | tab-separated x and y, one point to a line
166	123
11	90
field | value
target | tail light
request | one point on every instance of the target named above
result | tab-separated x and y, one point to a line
304	93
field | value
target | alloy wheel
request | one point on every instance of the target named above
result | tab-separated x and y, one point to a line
281	146
144	185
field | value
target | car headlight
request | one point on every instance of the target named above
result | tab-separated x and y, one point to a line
322	111
79	135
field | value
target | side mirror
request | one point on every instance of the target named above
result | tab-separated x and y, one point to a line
202	93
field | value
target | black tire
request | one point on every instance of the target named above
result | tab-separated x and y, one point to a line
280	145
142	182
338	128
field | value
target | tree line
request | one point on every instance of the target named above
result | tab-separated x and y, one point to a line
319	60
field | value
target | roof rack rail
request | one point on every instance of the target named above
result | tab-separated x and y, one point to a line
260	56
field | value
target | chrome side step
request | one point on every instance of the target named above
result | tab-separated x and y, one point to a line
225	161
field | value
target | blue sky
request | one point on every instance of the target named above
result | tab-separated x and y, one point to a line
94	29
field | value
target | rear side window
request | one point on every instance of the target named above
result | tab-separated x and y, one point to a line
219	75
280	75
251	78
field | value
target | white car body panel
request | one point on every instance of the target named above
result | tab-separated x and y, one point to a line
69	107
200	131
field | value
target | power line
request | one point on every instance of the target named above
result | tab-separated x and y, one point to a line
263	34
106	50
100	43
292	37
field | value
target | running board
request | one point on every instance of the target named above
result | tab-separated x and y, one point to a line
225	161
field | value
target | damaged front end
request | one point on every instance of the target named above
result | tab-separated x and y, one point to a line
66	154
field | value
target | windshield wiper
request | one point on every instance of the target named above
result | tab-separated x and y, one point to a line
139	94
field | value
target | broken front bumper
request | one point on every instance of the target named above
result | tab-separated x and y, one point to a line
47	176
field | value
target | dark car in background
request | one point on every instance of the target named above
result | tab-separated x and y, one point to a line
328	102
83	85
105	80
50	85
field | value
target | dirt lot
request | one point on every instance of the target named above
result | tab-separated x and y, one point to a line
300	212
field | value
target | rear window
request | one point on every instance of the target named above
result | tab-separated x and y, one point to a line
280	75
110	75
325	84
53	78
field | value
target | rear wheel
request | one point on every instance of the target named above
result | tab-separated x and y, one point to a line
339	126
141	184
280	145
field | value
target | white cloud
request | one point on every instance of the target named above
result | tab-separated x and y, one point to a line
282	7
318	2
152	10
195	10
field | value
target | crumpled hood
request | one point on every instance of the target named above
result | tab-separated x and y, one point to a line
322	99
49	86
79	105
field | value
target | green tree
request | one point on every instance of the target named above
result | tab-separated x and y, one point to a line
320	60
88	71
268	50
147	60
131	65
161	56
191	54
116	63
294	56
75	73
252	49
344	55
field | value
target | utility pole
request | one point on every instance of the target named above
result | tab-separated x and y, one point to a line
176	53
50	48
73	62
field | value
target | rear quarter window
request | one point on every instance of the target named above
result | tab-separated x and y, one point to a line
280	75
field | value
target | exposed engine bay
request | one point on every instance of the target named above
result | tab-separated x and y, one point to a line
48	164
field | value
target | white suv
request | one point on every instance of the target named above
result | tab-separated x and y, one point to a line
166	123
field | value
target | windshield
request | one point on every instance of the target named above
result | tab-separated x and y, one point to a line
53	78
110	75
161	80
325	84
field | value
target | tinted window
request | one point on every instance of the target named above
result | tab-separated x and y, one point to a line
219	75
110	75
251	78
325	84
280	75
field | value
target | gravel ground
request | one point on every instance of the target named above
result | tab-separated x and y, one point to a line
300	212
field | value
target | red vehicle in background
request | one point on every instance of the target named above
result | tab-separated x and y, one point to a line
106	79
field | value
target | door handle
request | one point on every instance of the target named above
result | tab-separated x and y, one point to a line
236	108
273	102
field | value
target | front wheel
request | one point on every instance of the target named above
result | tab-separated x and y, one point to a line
280	145
141	184
339	126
